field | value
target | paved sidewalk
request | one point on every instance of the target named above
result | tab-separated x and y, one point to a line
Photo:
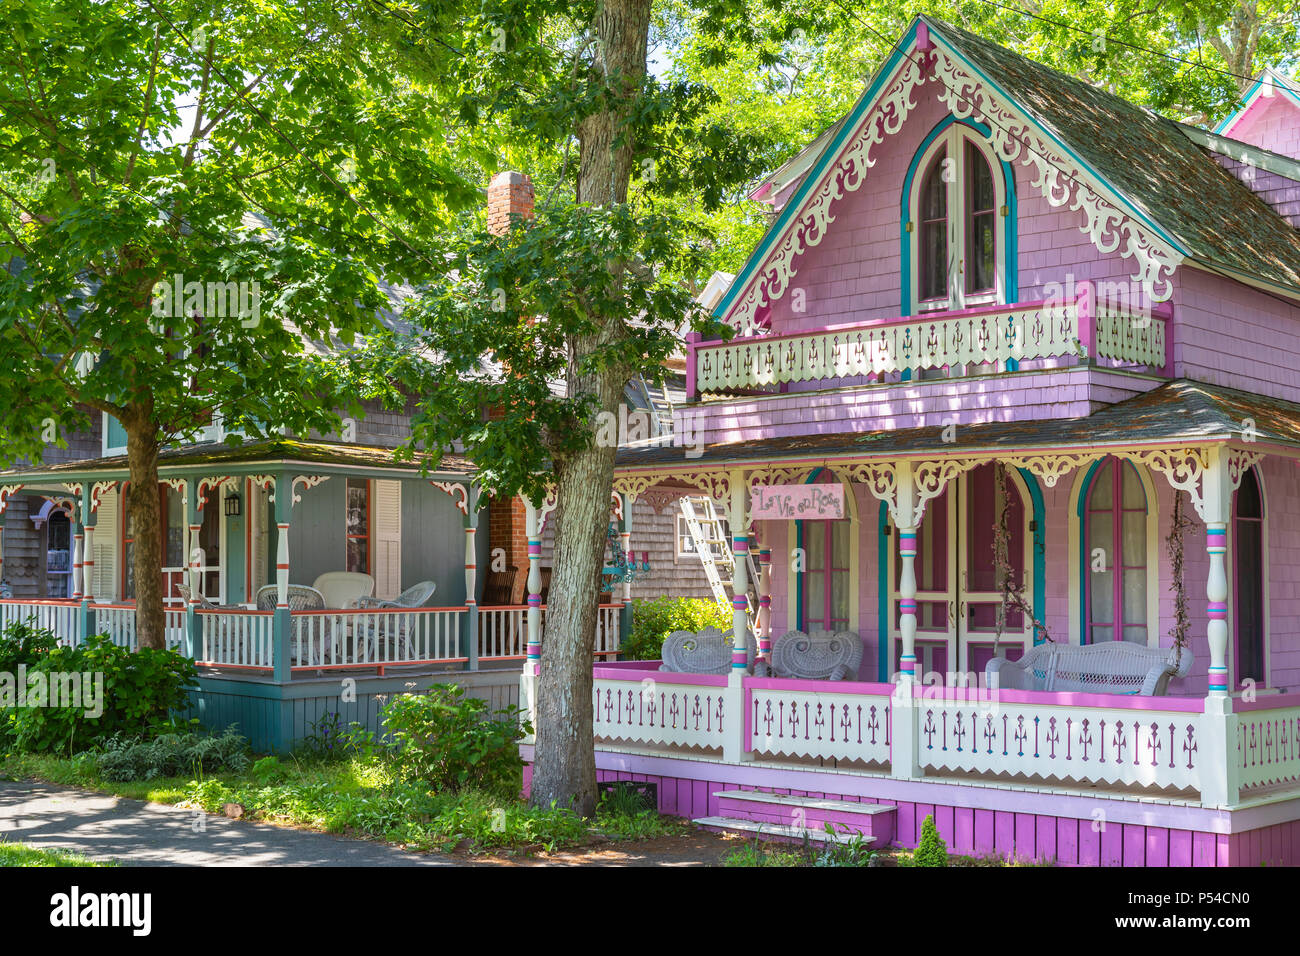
135	833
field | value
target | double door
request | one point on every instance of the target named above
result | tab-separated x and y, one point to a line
960	583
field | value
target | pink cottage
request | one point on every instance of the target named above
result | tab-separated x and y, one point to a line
989	274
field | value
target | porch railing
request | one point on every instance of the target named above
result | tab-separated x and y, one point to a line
118	622
237	639
1167	746
63	618
1082	327
334	639
1268	741
503	631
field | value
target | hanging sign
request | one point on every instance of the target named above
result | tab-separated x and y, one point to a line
797	502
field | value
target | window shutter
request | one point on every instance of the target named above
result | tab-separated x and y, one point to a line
106	531
386	543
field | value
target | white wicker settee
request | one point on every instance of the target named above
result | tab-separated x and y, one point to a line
703	652
1109	667
821	655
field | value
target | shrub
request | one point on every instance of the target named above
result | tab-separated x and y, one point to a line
140	690
170	755
23	643
655	619
452	742
931	851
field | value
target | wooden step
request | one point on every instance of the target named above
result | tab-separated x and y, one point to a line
811	813
777	831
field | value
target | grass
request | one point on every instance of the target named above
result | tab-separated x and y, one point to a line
357	797
761	853
20	854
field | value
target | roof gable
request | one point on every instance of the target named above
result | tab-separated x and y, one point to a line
1269	84
1145	190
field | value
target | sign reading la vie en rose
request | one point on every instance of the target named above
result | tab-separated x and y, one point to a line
797	502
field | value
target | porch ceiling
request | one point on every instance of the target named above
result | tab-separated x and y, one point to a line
271	456
1181	412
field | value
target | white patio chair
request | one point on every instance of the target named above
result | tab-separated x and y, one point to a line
413	597
301	598
344	589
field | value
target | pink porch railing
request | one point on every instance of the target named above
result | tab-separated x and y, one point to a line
1084	326
1146	745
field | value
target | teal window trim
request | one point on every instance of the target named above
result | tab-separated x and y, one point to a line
1039	545
1081	508
885	642
1011	276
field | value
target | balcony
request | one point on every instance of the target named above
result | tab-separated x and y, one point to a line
1081	330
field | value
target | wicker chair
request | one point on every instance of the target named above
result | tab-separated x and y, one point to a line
1108	667
416	596
344	589
705	652
301	598
817	656
184	591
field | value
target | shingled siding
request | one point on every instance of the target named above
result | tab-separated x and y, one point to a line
1272	123
24	565
656	533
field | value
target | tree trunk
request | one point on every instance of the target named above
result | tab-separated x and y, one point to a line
146	525
564	767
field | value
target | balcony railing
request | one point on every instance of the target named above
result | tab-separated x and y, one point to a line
1002	336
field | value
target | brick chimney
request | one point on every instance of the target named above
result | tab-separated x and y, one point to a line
510	194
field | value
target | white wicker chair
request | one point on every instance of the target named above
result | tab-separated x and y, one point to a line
344	589
705	652
301	598
1108	667
821	655
417	595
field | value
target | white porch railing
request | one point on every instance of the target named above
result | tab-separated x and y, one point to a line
237	639
118	622
1148	742
503	631
61	617
678	711
845	721
1268	741
363	638
1167	746
987	335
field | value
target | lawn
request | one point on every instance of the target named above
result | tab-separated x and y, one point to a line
20	854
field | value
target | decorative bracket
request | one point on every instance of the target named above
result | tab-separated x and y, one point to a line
459	492
213	484
266	483
1050	468
7	491
98	490
307	481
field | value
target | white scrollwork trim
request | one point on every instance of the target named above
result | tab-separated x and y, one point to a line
1049	468
1239	462
930	478
1183	468
1013	135
634	486
74	488
459	493
845	176
98	490
266	483
307	481
6	492
213	484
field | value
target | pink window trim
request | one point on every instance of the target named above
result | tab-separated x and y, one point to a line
830	573
1115	474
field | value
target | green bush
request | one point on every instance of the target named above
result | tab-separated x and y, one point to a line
23	643
451	742
931	851
655	619
141	689
170	755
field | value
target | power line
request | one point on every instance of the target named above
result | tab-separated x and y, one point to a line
1133	46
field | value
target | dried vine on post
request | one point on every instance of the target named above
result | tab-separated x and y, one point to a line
1013	596
1174	545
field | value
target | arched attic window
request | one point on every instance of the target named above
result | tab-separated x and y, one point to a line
953	209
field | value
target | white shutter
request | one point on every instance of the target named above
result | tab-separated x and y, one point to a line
106	549
387	540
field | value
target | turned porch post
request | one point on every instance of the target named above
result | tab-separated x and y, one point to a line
471	579
1220	778
78	552
533	531
765	603
283	622
905	519
88	562
739	573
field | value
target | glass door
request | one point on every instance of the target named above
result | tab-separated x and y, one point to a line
936	594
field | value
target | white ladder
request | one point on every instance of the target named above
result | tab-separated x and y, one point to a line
710	543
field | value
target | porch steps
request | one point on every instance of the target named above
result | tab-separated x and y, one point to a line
785	817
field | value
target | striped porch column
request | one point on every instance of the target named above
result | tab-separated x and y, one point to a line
533	531
78	555
1216	589
471	582
739	575
765	603
907	602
